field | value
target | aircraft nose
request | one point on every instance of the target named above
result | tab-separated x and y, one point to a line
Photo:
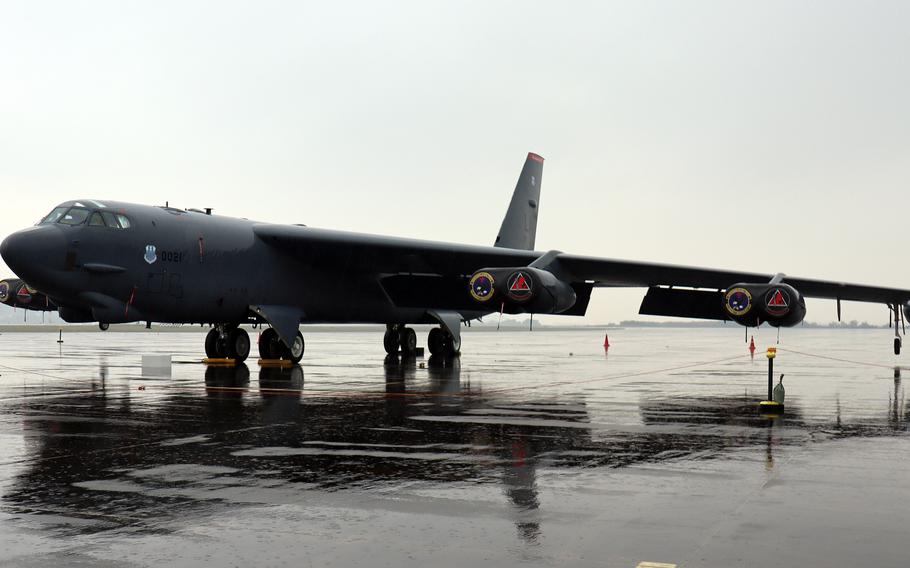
31	251
5	246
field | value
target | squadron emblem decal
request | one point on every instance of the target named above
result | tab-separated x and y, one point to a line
777	302
738	302
150	256
24	295
520	286
4	291
481	286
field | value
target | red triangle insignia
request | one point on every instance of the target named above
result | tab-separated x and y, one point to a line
778	300
520	284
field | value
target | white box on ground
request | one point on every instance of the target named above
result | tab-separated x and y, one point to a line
156	364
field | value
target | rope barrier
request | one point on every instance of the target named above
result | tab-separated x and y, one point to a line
841	360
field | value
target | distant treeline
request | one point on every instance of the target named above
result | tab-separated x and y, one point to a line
852	324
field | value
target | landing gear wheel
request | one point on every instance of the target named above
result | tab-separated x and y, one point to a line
897	345
391	340
104	326
295	353
214	347
239	345
408	340
435	341
269	344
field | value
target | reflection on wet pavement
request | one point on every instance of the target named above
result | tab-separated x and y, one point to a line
364	460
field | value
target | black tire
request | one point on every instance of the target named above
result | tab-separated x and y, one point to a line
448	345
212	341
391	341
104	326
239	345
897	345
408	341
269	344
435	341
295	352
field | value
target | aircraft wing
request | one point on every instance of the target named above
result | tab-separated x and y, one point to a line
392	255
382	254
623	273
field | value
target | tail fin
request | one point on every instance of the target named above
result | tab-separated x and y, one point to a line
519	227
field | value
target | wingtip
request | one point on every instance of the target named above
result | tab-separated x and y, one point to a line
535	157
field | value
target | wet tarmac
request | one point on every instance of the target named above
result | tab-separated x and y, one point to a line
534	449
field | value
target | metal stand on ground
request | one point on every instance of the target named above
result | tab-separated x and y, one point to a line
772	405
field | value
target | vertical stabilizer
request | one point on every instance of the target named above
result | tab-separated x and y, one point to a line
519	227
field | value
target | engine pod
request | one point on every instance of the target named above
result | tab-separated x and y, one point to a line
521	290
780	305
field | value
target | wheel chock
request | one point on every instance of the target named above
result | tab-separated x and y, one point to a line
220	362
276	363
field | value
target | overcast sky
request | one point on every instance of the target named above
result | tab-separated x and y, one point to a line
770	136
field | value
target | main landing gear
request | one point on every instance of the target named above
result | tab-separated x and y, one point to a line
227	342
271	346
399	338
233	342
899	325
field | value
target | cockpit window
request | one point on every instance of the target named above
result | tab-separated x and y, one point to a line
79	215
53	216
75	216
110	219
95	220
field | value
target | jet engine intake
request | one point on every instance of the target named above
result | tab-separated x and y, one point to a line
779	305
521	290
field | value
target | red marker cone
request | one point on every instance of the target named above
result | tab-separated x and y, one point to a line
752	345
606	341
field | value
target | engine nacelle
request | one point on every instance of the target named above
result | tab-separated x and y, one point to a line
521	290
18	294
780	305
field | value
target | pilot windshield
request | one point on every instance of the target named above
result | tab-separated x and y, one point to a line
78	215
75	216
53	216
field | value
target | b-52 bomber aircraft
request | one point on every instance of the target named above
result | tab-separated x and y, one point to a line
111	262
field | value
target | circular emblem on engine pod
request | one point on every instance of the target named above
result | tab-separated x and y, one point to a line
4	291
520	286
777	302
481	286
738	301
